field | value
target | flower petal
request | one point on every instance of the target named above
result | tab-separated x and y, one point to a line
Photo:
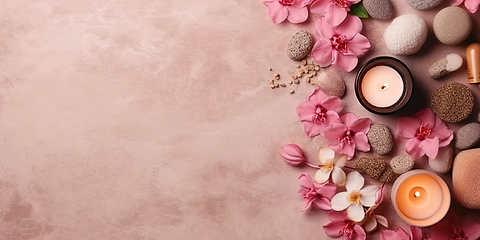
334	131
361	142
325	153
337	216
472	5
333	229
359	45
313	129
356	212
297	14
340	160
305	181
441	130
322	203
369	195
335	15
321	176
361	125
358	233
307	204
332	117
347	61
470	227
349	119
325	190
333	103
416	233
370	225
338	176
278	13
293	154
407	127
349	27
430	146
322	52
398	234
319	7
316	97
426	116
413	148
446	142
323	29
305	111
340	201
382	220
355	181
347	149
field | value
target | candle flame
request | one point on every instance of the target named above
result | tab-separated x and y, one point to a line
417	194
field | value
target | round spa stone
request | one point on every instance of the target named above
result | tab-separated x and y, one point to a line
379	9
452	25
402	164
406	34
468	136
452	102
424	4
380	138
331	81
300	45
443	162
375	168
466	179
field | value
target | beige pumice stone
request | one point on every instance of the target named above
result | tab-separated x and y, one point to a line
452	25
380	138
300	45
443	162
375	168
466	178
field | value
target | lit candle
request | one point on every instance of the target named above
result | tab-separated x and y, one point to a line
421	198
384	85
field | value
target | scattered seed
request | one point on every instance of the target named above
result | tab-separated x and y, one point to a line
297	81
299	75
290	82
294	76
301	71
298	66
272	85
283	85
317	67
292	91
308	80
314	73
304	62
270	69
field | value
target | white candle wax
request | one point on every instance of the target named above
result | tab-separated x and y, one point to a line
382	86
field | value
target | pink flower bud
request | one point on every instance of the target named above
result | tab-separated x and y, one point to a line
293	154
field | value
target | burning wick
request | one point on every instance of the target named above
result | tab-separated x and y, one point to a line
417	194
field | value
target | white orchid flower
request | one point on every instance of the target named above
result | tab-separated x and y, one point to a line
331	164
355	197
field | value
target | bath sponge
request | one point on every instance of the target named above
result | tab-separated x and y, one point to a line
406	34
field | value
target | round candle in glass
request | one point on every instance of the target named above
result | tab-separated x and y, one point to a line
421	198
384	85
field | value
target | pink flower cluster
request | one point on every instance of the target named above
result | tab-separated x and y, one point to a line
339	40
320	116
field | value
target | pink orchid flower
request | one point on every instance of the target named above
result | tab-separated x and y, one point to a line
453	227
334	11
319	111
315	194
341	226
426	134
294	10
471	5
400	234
371	219
340	45
350	135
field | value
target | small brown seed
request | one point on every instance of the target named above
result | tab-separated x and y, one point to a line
297	81
317	67
290	82
292	91
304	62
314	73
270	69
276	85
298	66
283	85
301	71
308	80
294	77
299	75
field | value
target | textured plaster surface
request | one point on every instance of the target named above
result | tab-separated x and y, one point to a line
154	120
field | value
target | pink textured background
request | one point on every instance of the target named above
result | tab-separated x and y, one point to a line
154	120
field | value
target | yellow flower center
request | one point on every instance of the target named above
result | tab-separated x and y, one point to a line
354	197
327	166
